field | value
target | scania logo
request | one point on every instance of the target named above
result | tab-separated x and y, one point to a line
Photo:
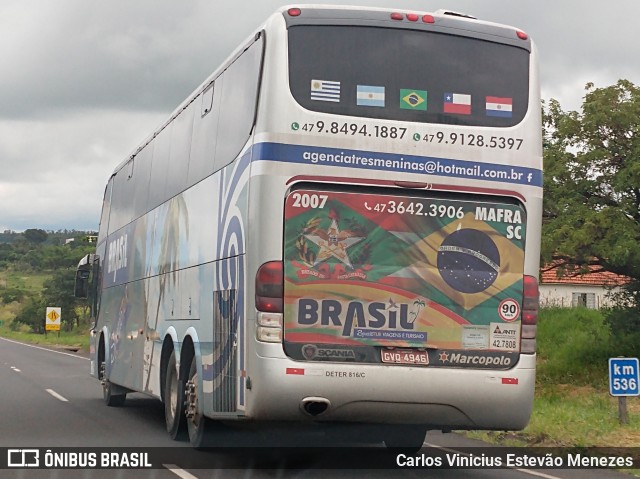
311	351
474	359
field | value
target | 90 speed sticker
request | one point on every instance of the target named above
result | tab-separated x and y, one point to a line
509	310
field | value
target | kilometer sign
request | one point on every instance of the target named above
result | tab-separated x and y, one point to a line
400	271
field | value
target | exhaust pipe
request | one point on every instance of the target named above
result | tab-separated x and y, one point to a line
315	406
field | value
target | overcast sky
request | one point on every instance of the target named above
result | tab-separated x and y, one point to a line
82	82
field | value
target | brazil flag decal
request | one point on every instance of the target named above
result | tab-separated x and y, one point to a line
370	270
413	100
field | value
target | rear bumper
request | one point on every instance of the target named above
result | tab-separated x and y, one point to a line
437	397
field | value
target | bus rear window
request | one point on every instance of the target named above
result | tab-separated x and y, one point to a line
408	75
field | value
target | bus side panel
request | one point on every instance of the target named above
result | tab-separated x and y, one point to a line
144	273
222	311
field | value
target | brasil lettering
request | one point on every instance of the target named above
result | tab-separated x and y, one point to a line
375	320
117	255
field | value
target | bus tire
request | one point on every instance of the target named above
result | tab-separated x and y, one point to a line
408	438
111	394
112	399
174	400
197	424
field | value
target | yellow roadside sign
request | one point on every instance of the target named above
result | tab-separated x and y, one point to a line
52	320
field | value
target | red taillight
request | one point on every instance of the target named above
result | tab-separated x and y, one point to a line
530	301
530	307
397	16
294	12
428	19
412	17
269	287
522	35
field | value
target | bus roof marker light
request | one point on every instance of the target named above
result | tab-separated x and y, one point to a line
294	12
397	16
412	17
522	35
428	19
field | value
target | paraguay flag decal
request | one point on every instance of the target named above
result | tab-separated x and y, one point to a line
498	106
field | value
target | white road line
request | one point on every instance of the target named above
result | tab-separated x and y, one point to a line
179	472
56	395
15	369
44	349
524	471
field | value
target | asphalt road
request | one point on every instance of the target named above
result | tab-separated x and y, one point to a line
48	400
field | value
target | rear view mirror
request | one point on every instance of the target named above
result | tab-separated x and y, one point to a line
83	272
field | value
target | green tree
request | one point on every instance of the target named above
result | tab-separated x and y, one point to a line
34	235
592	185
58	292
592	181
32	314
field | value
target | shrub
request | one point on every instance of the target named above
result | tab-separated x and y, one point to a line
574	346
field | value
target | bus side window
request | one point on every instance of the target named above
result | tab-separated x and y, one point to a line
140	180
159	167
205	131
180	152
238	108
122	199
106	210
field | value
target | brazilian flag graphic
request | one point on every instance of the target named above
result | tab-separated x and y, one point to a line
413	99
362	269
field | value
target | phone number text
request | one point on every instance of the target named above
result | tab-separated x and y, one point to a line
470	139
351	129
417	209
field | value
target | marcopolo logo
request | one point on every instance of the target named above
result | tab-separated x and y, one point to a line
463	359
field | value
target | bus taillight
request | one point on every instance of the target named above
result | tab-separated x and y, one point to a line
269	302
530	308
269	287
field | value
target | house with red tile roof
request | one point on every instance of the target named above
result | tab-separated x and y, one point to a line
590	289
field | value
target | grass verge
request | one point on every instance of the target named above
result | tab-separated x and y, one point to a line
572	405
75	339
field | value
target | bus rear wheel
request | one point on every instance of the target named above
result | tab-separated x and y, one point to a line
174	400
110	398
110	393
197	423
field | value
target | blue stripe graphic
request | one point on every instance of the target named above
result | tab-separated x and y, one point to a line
424	168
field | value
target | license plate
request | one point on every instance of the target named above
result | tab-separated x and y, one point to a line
404	356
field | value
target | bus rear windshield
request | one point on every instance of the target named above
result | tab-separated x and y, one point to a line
408	75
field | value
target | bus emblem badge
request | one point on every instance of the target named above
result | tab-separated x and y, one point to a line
309	351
